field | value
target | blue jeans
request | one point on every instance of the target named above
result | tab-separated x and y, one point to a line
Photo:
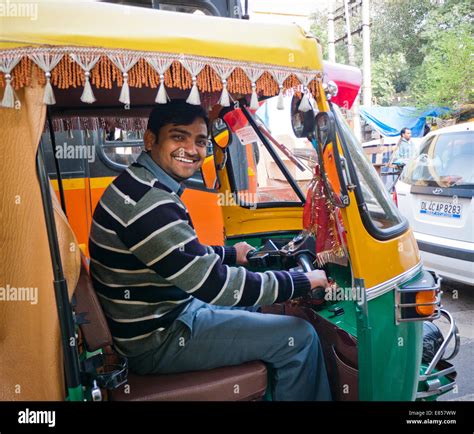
207	337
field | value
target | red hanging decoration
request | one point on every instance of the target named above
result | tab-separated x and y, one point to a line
324	221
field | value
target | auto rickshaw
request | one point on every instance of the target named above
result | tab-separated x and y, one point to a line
92	71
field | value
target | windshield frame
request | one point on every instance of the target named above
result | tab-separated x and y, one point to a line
379	234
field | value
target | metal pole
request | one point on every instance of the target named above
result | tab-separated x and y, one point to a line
367	86
66	319
331	33
350	52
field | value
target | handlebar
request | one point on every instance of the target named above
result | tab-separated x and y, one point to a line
304	260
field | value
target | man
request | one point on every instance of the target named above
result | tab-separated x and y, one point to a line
175	305
405	149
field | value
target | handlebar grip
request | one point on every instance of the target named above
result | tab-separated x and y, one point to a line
250	253
305	261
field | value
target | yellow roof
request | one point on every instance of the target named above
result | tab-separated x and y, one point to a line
110	26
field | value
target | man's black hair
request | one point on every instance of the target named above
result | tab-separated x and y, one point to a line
404	130
177	112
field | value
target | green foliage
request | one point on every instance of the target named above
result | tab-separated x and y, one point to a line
446	74
421	50
385	72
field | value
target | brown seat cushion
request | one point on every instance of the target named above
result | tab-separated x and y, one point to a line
246	382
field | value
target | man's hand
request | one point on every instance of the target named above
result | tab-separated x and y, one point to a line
242	249
317	278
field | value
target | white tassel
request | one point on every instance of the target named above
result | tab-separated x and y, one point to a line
193	97
87	94
9	94
280	101
162	96
254	99
224	101
48	97
305	106
125	92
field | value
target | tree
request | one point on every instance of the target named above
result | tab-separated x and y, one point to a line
421	50
446	74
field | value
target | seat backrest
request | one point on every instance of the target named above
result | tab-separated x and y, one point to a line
93	323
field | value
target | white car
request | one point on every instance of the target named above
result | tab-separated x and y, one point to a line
435	193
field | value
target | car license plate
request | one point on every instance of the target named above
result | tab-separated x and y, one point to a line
440	209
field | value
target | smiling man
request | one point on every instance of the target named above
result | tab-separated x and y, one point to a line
176	305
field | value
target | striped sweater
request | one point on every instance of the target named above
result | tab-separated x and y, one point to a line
147	263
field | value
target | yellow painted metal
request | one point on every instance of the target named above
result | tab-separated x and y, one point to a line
86	24
373	260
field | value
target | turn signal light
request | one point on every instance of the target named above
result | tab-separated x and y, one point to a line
422	298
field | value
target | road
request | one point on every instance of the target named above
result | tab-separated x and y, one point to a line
458	299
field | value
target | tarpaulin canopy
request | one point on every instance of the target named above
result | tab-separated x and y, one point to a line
389	121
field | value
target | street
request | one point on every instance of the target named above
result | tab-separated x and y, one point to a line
458	299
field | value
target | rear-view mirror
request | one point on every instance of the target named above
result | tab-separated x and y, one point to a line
220	133
303	123
330	159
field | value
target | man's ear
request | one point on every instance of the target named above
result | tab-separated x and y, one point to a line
149	139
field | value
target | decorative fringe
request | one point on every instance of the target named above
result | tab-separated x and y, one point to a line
6	66
224	100
162	97
109	69
8	99
305	105
125	92
193	97
87	94
254	98
48	97
280	102
86	63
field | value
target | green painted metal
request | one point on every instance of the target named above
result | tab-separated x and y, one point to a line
389	354
75	394
397	351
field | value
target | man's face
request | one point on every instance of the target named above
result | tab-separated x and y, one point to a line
179	149
407	134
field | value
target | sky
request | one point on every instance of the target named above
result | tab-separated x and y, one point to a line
284	11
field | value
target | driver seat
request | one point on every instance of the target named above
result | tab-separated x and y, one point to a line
212	385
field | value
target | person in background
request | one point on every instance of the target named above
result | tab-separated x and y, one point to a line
404	151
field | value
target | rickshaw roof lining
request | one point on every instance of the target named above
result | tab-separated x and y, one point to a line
183	46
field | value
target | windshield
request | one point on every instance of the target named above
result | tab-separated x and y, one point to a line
381	209
257	173
445	160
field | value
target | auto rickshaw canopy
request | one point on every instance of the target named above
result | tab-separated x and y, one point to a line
75	44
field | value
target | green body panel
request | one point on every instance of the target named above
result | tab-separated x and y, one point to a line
389	354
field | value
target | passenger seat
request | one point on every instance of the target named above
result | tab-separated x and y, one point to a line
246	382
